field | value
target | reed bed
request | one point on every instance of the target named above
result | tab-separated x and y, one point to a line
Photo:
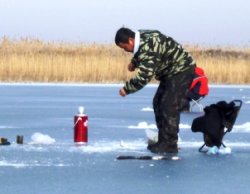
224	65
30	60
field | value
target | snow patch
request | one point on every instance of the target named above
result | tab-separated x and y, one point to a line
145	125
242	128
7	127
147	109
11	164
39	138
17	164
215	150
112	146
245	127
184	126
152	135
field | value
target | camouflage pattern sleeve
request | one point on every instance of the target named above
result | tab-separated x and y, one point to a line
143	76
146	64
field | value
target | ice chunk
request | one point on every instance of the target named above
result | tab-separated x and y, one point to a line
143	125
225	150
152	135
39	138
245	127
147	109
213	150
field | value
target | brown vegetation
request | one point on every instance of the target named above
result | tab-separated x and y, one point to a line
28	60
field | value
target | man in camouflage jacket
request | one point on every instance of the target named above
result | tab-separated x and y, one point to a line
159	56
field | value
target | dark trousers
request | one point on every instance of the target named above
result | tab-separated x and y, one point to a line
170	98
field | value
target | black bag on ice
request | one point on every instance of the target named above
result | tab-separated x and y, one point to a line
217	117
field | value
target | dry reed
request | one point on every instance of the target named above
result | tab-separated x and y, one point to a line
27	60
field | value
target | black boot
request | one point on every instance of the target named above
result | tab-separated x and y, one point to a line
162	147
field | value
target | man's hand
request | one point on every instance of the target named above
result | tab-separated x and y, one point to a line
122	92
131	67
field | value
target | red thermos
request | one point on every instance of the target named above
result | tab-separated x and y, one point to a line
81	127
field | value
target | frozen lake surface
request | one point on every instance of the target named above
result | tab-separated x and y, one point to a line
116	127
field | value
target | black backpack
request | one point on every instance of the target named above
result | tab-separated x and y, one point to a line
217	117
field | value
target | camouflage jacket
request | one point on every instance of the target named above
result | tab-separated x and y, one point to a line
158	56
